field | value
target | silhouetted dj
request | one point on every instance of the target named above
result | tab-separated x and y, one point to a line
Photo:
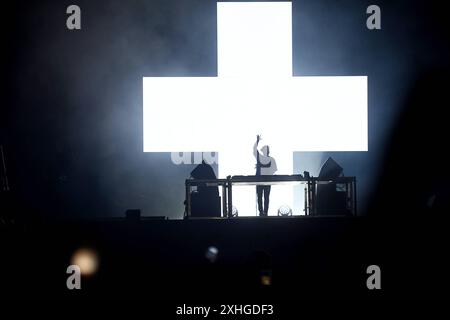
265	165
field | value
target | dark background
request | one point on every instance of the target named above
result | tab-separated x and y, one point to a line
71	129
71	116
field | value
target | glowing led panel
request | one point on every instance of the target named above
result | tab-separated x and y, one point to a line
254	93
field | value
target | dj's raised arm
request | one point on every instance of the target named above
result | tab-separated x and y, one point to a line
255	146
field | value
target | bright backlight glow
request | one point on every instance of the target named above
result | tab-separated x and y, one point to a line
255	93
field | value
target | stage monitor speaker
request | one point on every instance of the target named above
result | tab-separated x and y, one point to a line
205	202
203	171
330	170
204	205
330	201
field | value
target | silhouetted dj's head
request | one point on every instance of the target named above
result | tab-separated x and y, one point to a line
265	150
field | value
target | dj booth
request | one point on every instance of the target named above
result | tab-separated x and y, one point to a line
319	194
